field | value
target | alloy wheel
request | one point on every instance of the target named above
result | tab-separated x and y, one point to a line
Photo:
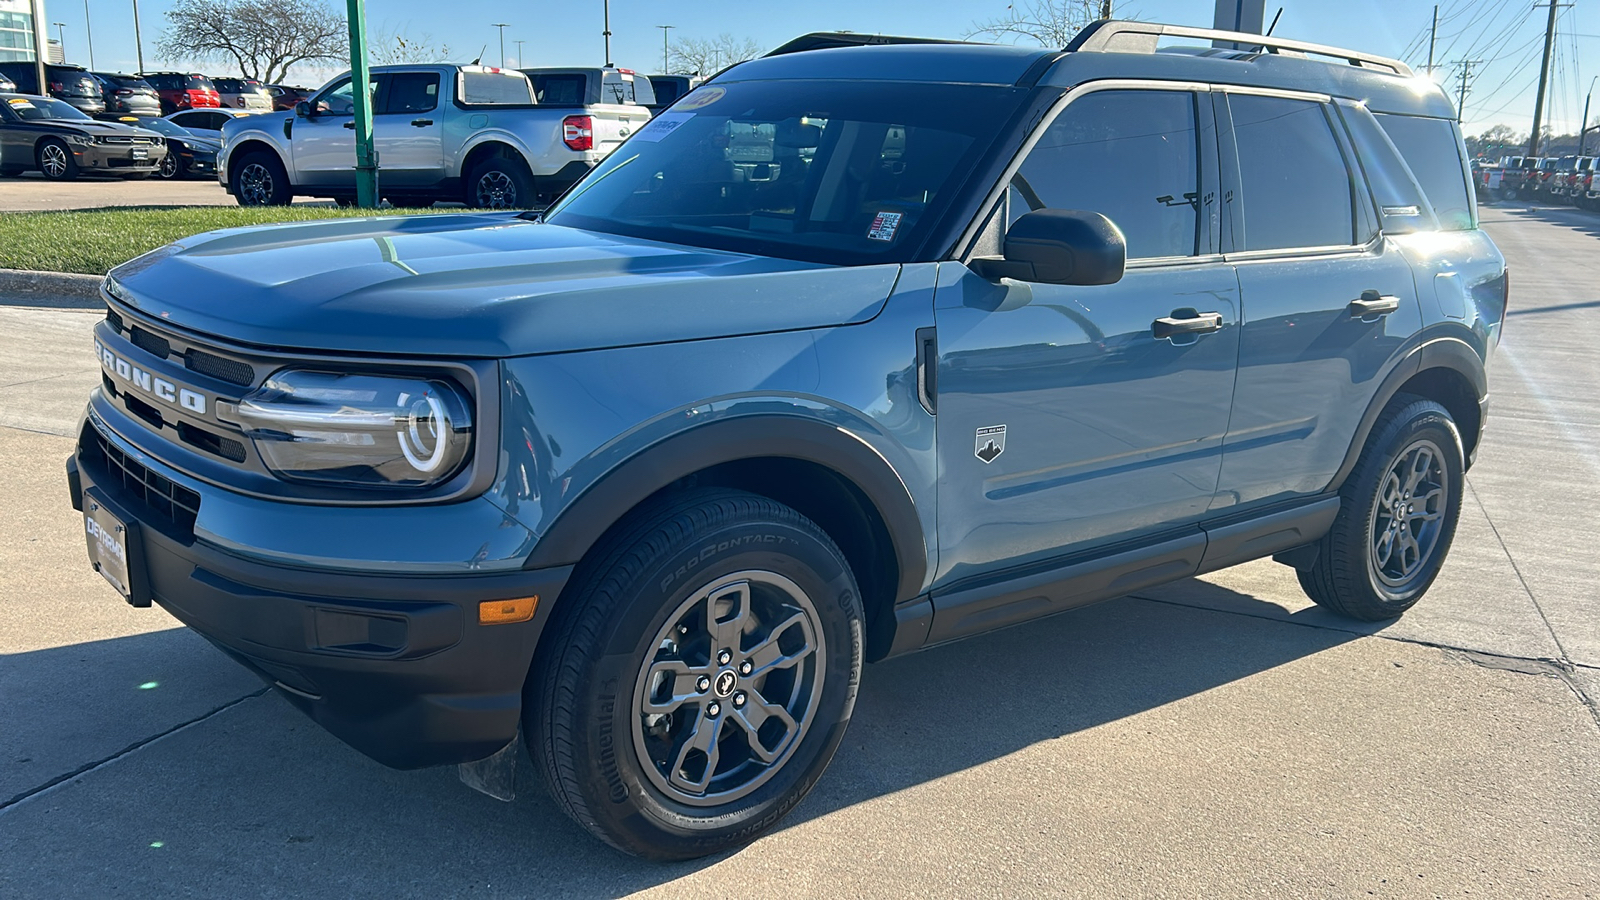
731	689
53	160
169	166
1408	516
255	184
496	190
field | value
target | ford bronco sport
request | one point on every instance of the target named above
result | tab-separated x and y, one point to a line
853	351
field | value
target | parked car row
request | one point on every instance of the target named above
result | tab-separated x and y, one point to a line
60	141
147	93
1562	180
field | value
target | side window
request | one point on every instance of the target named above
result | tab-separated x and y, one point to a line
1132	156
412	92
1433	150
339	100
559	90
1297	188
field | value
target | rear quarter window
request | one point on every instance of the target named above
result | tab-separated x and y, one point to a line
1433	150
561	90
503	88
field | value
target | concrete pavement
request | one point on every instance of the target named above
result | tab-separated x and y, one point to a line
1220	737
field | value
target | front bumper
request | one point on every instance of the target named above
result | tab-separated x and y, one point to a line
396	666
118	159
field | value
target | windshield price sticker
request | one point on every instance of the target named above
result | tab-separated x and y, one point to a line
884	225
700	98
662	125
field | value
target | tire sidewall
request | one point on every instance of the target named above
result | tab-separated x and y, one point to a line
1420	420
518	175
616	789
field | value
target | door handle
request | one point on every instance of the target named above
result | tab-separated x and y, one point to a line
1192	323
1373	304
422	123
350	125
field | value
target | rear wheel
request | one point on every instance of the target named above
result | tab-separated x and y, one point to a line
701	677
260	180
1397	516
55	160
500	184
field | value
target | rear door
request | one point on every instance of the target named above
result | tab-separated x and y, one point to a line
407	130
1311	264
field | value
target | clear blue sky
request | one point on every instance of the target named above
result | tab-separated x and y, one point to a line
1505	33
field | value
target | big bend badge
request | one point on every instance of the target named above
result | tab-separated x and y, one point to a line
990	443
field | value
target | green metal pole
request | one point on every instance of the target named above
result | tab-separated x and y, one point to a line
360	78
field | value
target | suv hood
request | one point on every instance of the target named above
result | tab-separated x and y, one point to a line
480	285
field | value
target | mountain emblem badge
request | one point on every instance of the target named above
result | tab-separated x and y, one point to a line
990	443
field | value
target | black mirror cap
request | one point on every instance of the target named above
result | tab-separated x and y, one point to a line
1061	246
303	109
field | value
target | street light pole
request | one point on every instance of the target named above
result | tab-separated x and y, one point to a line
88	33
607	30
138	42
41	36
502	27
1583	127
361	94
664	64
61	38
519	52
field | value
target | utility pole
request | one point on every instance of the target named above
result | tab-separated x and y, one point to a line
519	44
88	34
502	27
360	78
41	37
664	64
138	42
1583	127
1433	38
1544	78
607	30
1466	72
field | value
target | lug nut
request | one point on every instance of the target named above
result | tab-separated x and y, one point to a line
738	699
714	709
724	657
703	684
746	667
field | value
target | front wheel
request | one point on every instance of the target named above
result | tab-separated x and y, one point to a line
260	180
701	677
1397	516
55	161
171	166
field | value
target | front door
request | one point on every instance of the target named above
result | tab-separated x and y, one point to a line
1071	417
324	143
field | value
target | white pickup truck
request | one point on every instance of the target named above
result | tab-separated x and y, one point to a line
442	132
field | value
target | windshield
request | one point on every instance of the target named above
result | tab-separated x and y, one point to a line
43	108
826	171
155	123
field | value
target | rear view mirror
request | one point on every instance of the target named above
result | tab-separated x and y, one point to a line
794	134
1059	246
303	109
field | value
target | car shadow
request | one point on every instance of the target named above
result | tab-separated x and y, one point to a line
260	799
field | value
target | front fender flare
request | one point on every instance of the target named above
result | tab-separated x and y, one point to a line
582	523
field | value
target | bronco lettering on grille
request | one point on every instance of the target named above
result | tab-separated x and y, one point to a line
154	385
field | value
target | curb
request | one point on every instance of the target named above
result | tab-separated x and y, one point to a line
60	290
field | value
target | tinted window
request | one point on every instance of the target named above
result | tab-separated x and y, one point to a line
1297	189
494	87
831	171
559	90
1385	168
43	108
1131	156
667	92
1433	151
412	92
336	101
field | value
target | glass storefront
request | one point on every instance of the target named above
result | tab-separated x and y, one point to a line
16	32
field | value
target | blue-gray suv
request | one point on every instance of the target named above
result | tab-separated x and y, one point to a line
861	347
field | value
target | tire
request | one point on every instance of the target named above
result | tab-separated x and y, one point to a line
499	184
260	180
171	167
55	160
1397	515
638	627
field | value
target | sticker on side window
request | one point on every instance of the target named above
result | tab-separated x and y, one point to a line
884	225
662	125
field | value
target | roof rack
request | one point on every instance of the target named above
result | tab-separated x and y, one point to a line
827	40
1142	37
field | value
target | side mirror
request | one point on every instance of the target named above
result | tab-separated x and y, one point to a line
1059	246
303	109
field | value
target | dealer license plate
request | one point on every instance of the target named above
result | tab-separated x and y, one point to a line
109	546
141	154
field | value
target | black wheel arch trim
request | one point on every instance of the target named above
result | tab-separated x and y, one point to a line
1439	352
582	523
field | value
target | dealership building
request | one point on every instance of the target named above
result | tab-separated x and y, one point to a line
17	31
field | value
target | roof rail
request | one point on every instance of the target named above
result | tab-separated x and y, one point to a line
827	40
1142	37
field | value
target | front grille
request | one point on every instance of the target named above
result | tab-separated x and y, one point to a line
172	503
152	344
227	448
114	320
228	370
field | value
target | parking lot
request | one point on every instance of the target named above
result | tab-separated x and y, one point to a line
1220	737
30	192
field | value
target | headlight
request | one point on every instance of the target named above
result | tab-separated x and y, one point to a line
82	140
365	430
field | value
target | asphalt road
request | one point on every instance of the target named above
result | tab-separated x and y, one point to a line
31	192
1219	737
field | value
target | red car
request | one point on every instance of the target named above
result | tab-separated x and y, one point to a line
183	90
286	96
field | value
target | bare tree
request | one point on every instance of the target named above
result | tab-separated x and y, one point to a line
700	56
264	38
1049	23
390	48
